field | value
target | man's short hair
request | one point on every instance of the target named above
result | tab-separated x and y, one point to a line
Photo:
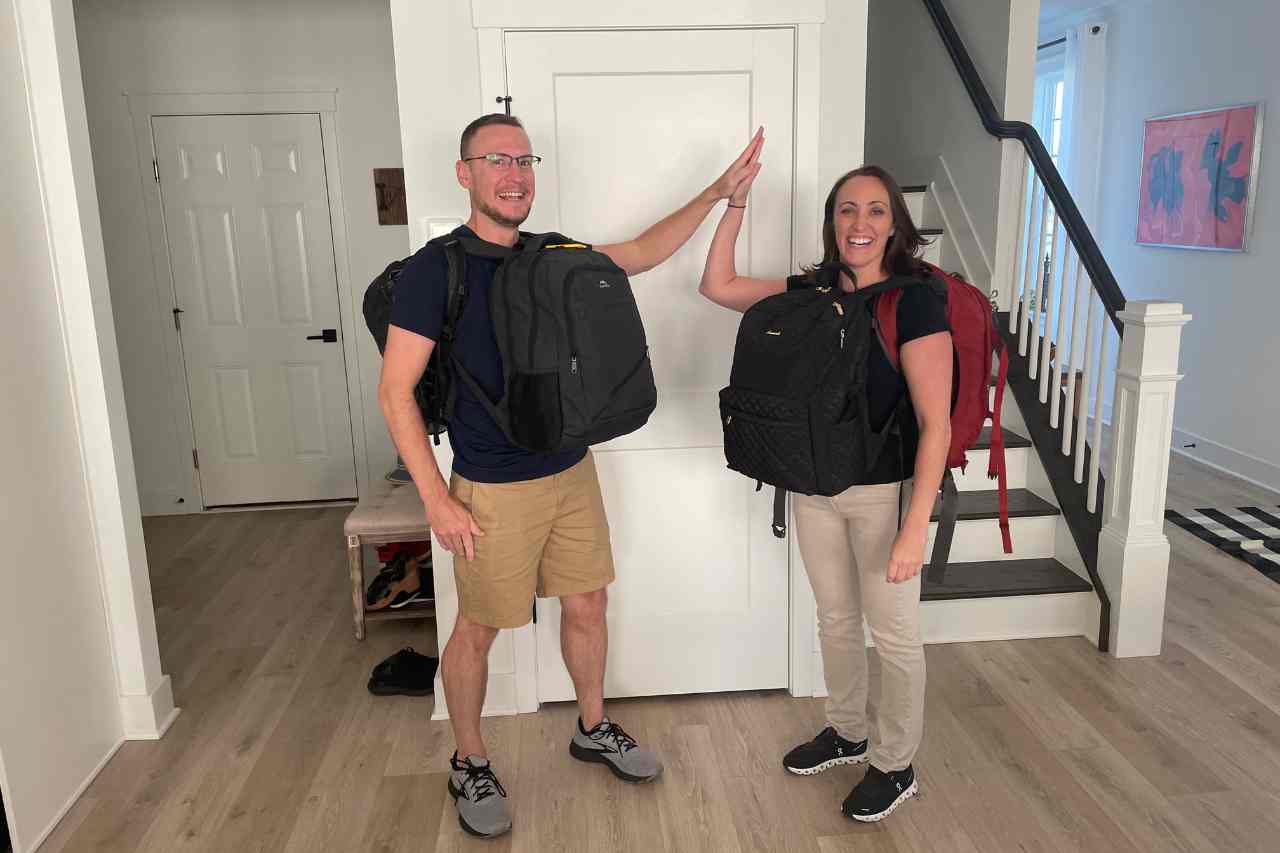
484	121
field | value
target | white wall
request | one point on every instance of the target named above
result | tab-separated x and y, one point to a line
1163	57
438	41
918	110
231	46
59	714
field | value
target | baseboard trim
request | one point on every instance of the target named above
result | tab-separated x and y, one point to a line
1225	459
73	799
147	716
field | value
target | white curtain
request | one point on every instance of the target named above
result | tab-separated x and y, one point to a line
1084	73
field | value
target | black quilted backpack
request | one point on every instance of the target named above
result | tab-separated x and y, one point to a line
795	411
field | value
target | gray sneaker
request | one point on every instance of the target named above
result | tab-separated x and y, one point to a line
609	745
479	796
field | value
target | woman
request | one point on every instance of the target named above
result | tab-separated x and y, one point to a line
862	554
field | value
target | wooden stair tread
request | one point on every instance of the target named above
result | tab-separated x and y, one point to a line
1001	578
979	505
1011	439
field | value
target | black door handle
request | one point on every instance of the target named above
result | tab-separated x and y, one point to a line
329	336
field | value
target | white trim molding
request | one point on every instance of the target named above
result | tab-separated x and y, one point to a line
65	167
589	14
1133	553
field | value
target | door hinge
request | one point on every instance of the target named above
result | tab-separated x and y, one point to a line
177	318
505	100
155	169
195	458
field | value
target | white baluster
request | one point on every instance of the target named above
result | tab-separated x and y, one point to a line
1053	309
1024	247
1031	313
1084	292
1095	458
1033	226
1133	553
1069	283
1082	420
1037	301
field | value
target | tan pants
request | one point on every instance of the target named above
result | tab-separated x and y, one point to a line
845	542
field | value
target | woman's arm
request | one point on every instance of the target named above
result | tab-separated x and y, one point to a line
720	280
926	364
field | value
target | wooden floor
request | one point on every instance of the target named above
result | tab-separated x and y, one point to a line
1031	745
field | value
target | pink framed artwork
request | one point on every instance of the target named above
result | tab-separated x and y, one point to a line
1199	176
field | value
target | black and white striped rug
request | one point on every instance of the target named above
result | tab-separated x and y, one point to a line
1248	533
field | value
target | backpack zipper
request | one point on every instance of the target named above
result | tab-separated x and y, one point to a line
571	328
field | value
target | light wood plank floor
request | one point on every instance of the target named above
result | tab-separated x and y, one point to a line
1032	745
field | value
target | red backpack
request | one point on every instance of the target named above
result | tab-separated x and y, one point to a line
974	336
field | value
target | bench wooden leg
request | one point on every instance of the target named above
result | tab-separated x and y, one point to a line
355	561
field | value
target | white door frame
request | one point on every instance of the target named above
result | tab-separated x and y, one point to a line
806	240
143	106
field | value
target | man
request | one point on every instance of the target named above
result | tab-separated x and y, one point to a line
517	523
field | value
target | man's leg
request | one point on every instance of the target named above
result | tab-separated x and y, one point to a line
464	667
584	642
577	568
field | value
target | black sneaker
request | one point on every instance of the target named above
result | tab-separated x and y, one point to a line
394	586
825	751
406	673
879	793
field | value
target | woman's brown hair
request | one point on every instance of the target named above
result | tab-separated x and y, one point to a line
901	255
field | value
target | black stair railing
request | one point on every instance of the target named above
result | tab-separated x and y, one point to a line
1070	358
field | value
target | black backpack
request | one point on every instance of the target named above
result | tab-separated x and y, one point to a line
574	355
795	411
434	391
575	360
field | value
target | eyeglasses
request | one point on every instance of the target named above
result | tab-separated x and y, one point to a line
502	162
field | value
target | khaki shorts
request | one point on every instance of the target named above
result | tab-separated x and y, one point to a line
547	537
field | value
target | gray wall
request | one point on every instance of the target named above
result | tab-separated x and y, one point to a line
229	46
1172	56
917	108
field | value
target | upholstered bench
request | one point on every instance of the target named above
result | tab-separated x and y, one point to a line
389	514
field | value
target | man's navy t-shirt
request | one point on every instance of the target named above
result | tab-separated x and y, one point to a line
482	452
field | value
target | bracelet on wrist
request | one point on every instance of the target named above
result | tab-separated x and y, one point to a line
739	206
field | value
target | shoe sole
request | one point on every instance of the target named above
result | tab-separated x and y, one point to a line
593	757
826	765
456	794
389	598
378	690
912	790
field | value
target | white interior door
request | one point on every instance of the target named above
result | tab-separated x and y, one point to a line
246	213
631	124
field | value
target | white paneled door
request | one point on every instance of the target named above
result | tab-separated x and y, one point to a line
631	124
246	214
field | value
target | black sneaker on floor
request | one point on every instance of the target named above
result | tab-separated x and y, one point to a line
406	673
825	751
879	793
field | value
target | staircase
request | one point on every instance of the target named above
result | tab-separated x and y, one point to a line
1090	555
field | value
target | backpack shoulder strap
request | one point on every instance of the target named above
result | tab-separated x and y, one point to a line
455	300
886	314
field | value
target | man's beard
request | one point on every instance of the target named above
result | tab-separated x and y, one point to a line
501	218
